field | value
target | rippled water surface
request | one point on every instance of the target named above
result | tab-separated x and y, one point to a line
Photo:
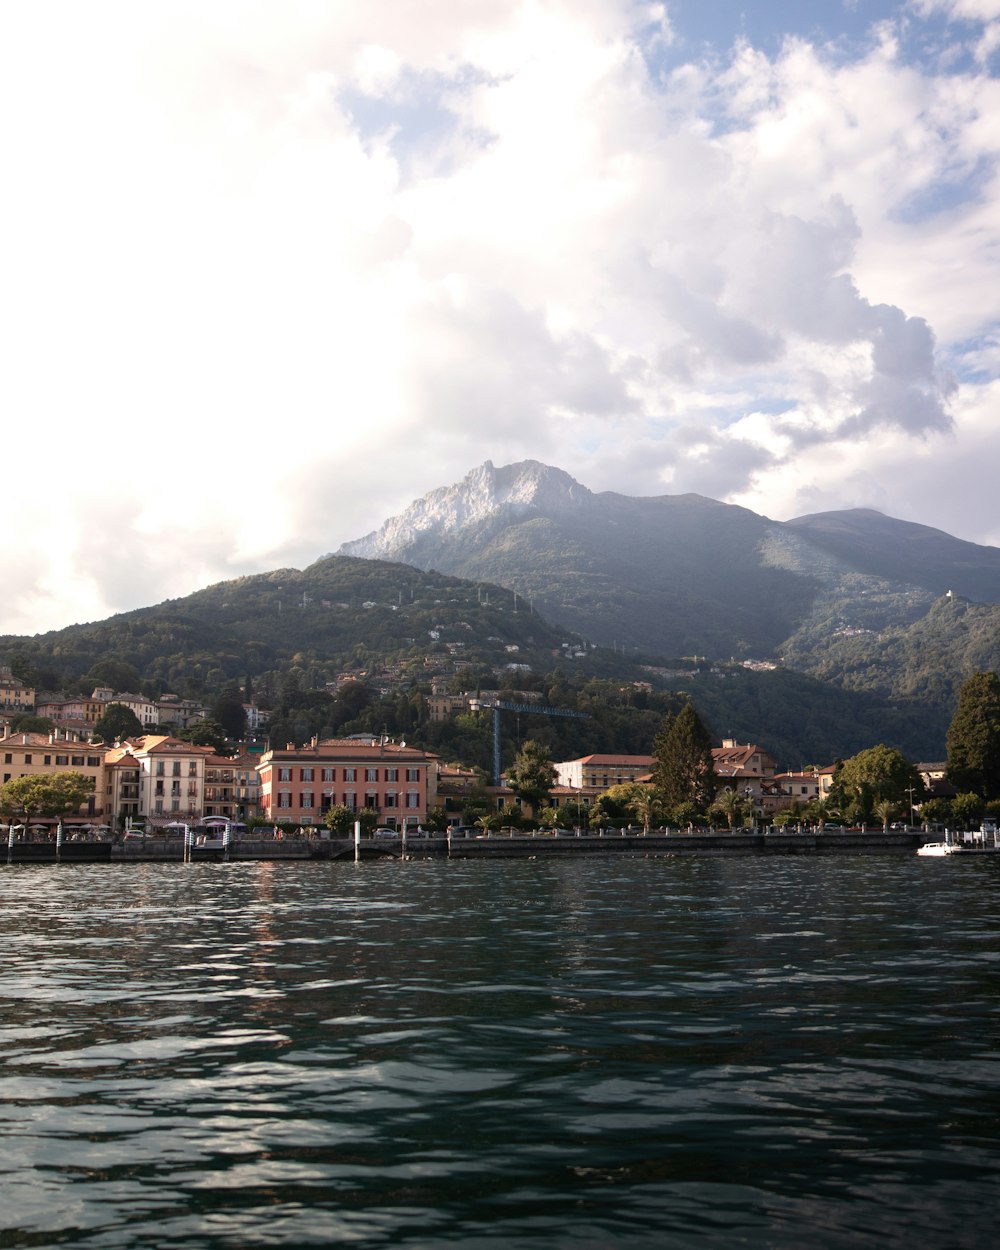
590	1053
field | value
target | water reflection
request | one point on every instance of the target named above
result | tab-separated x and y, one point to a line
686	1052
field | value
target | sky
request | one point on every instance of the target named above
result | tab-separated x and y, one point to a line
270	272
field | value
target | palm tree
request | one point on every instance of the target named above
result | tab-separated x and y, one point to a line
884	809
727	803
645	806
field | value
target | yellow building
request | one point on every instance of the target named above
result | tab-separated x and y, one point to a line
49	755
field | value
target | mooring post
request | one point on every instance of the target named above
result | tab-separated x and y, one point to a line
59	841
357	841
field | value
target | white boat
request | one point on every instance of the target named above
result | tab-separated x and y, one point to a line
937	848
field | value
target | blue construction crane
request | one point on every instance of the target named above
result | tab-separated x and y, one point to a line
500	705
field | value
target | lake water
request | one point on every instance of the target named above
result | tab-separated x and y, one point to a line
600	1052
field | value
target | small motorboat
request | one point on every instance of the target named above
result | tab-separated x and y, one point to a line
938	848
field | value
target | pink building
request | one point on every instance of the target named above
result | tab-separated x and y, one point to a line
300	784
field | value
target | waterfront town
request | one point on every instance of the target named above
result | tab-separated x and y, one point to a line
156	780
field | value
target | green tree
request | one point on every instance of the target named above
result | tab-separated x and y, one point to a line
683	772
228	711
475	805
436	820
117	675
340	820
29	723
879	774
26	798
206	733
532	774
614	805
973	738
117	723
967	809
935	811
511	816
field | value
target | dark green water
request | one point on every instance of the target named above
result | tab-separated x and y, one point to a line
780	1052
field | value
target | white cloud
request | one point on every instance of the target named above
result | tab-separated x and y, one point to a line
270	272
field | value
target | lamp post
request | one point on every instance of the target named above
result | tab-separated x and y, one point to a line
909	790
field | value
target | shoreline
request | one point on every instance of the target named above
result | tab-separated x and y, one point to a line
486	846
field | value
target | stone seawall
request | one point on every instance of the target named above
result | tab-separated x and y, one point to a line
828	842
484	846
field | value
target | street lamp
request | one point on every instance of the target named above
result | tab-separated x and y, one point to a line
748	795
909	790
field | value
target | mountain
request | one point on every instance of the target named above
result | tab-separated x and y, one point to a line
509	569
854	598
675	575
904	551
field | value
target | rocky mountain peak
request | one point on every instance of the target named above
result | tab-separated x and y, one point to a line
484	495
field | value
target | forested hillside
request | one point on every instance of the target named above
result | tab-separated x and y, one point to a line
338	614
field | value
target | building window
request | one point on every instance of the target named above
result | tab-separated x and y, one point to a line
8	758
350	774
177	768
391	798
60	759
305	774
192	768
160	768
350	800
284	799
371	799
392	774
27	759
329	774
412	799
93	761
47	759
284	774
306	798
413	774
77	761
371	774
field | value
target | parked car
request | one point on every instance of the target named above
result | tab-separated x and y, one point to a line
386	833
